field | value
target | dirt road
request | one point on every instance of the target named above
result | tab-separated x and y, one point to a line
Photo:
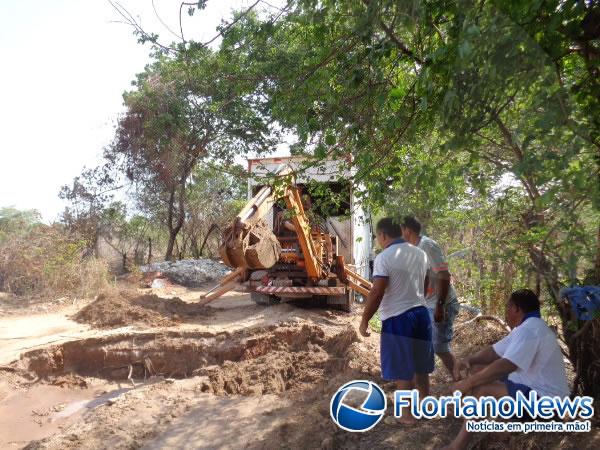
228	376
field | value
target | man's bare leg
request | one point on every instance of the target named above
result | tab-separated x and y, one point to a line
495	389
448	360
422	384
406	417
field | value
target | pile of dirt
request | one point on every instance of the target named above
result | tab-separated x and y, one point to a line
290	357
116	309
69	381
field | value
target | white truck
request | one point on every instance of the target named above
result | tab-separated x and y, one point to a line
350	223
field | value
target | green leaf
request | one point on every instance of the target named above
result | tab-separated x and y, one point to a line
464	49
330	139
320	151
397	92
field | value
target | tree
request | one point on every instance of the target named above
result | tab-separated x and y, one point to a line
214	197
88	197
130	237
486	111
440	100
185	109
14	220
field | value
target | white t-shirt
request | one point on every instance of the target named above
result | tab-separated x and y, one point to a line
437	263
405	266
533	348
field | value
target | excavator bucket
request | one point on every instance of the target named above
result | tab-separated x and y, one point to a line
251	244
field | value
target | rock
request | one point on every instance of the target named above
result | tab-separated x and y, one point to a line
189	272
327	443
158	283
390	421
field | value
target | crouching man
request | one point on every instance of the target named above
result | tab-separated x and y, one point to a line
529	358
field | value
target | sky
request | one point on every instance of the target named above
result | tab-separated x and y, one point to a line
65	65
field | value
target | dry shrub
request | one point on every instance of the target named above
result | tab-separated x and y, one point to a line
46	260
475	335
93	277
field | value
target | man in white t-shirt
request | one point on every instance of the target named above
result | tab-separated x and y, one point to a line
528	359
440	297
399	282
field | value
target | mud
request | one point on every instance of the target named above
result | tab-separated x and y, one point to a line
228	385
269	360
121	308
288	360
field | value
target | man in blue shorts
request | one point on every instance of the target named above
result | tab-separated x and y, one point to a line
440	298
399	280
528	359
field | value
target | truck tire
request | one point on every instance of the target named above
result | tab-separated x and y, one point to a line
263	299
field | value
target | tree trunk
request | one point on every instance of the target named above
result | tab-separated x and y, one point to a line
183	248
170	246
149	250
175	228
597	266
194	247
172	235
177	250
95	251
479	282
214	226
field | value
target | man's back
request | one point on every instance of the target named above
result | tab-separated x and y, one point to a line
405	267
437	263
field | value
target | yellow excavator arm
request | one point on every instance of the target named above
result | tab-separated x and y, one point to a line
249	243
312	255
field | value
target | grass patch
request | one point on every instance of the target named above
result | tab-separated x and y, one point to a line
47	260
375	323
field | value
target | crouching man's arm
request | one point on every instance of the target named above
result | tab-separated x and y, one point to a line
499	368
481	358
373	302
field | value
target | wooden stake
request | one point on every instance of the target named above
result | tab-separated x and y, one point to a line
227	278
216	294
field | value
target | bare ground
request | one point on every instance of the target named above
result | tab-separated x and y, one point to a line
141	371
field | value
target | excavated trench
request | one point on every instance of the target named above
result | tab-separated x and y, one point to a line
271	359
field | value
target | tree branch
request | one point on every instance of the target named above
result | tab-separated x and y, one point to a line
483	317
401	45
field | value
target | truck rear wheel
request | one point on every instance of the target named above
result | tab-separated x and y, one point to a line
342	302
263	299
